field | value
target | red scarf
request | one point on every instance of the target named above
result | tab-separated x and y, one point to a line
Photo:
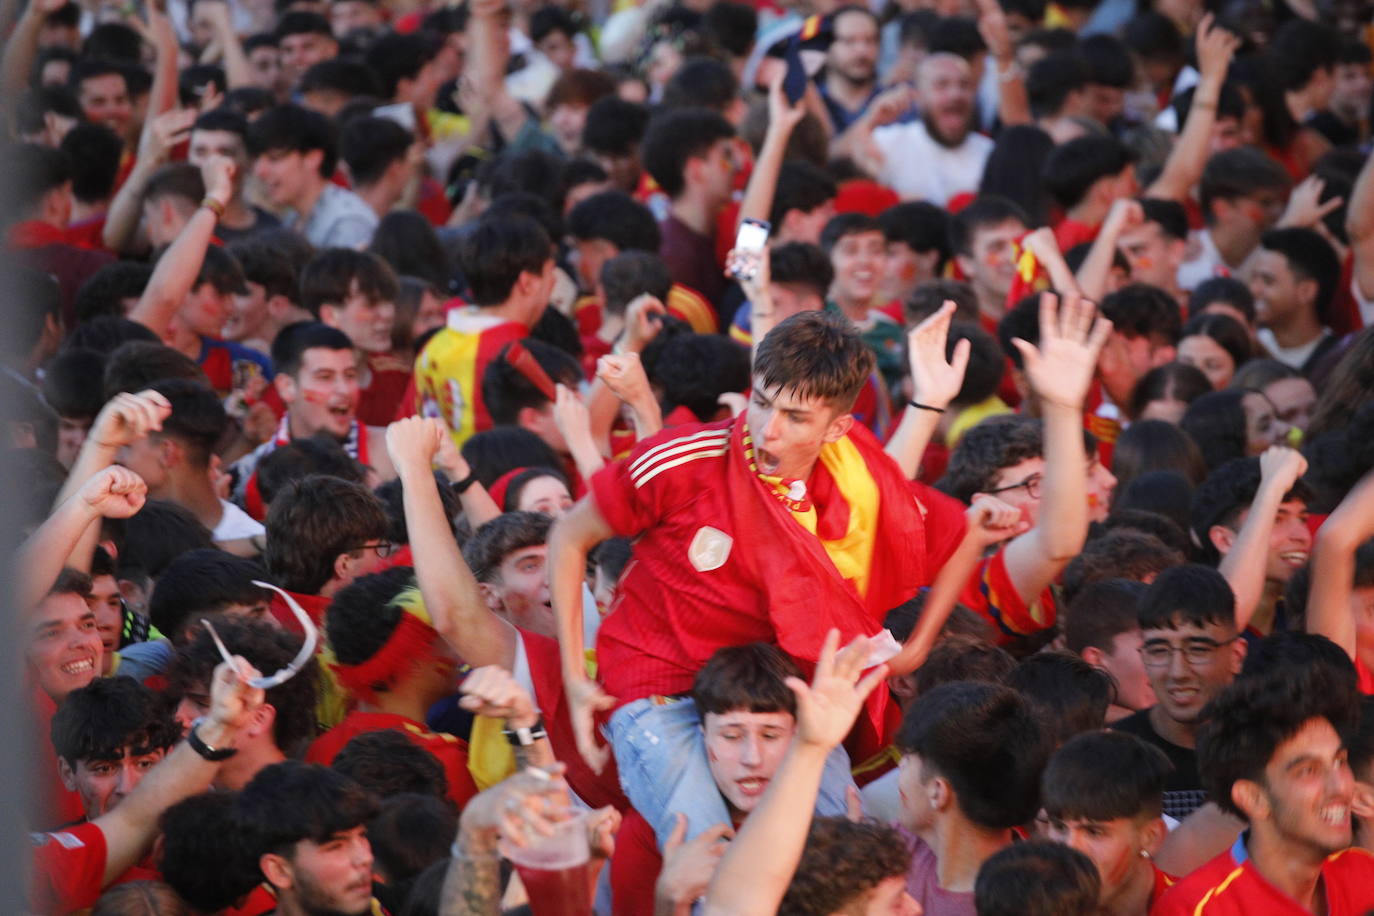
803	591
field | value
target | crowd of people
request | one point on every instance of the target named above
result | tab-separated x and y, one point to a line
884	458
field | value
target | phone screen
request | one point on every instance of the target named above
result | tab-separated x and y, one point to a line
752	235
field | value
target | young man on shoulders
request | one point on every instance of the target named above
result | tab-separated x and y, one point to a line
1192	651
1273	753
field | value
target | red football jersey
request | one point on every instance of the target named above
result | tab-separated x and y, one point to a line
1230	884
450	751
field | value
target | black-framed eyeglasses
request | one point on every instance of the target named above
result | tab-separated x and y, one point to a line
1196	652
384	548
1031	484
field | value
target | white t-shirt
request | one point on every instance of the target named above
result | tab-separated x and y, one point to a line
1207	263
236	525
1293	357
918	168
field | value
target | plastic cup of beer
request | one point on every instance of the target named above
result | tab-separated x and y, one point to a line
555	869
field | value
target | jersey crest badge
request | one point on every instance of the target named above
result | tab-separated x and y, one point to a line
709	549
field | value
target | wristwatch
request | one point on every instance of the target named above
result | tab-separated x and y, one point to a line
524	737
462	486
213	754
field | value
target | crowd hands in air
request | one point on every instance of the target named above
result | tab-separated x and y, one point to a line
692	457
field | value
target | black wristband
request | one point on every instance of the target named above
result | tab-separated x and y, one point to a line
919	406
524	737
462	486
213	754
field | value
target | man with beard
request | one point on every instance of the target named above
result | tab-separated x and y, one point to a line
317	380
1191	651
938	156
1273	753
306	827
851	67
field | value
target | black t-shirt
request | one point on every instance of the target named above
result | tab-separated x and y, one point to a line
1183	793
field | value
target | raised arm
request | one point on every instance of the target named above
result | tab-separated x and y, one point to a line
216	15
572	537
1333	566
783	118
571	417
488	53
756	870
1243	566
1125	214
179	265
1060	373
1013	105
22	49
935	379
160	135
624	376
163	37
451	594
1359	226
131	827
643	320
1183	168
1042	243
990	521
114	492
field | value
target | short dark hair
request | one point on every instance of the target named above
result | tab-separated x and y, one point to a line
35	171
297	129
1141	310
346	76
1037	878
1236	173
268	267
1070	695
801	264
269	649
986	448
223	119
985	740
677	135
1177	381
363	614
1170	215
497	251
1123	553
580	87
1248	721
815	355
94	153
919	225
614	126
506	390
312	522
1187	595
694	370
982	212
1100	612
985	366
1073	786
199	583
300	458
387	763
963	658
396	56
702	82
137	364
499	538
370	145
302	22
752	677
1108	59
841	863
291	801
177	180
1052	79
410	833
102	292
845	224
203	859
1222	289
198	419
98	721
1154	36
1298	49
631	273
493	452
1309	257
66	384
329	277
292	341
157	534
801	186
546	20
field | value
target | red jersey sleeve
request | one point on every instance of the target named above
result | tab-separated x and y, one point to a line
991	593
630	493
68	869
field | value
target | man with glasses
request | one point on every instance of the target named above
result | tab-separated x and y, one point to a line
1192	651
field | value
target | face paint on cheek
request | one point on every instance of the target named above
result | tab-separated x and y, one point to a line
1093	501
314	397
1144	263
